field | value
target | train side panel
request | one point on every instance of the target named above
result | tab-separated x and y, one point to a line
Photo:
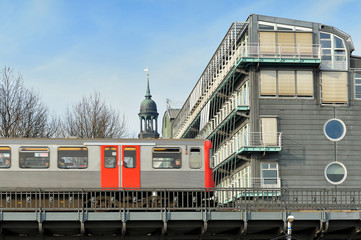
155	176
51	177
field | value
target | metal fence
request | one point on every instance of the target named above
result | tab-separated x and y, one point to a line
179	199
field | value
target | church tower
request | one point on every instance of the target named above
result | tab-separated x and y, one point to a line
148	116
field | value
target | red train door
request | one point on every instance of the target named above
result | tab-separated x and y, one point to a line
131	167
109	174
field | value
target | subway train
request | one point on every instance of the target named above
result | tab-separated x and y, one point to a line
74	163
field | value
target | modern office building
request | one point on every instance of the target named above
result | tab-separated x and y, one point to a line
280	100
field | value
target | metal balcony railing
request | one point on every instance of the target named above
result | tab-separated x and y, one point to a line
244	141
281	51
248	182
238	99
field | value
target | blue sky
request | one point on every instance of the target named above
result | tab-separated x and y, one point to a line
66	49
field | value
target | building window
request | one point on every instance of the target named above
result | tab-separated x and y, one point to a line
357	78
334	87
333	52
72	157
195	158
5	157
335	173
269	173
282	83
110	157
130	157
34	157
167	158
289	44
269	131
334	129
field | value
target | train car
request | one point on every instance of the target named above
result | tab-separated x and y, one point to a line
105	163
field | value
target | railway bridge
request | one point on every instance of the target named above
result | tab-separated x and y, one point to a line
180	213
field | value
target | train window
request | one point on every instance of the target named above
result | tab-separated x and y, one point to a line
34	157
195	158
130	154
167	158
110	157
5	159
72	157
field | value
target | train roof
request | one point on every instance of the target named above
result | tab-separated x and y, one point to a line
96	141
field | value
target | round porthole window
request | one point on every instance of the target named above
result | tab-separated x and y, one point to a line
334	129
335	173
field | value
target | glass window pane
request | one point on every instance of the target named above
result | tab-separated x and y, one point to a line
338	42
273	166
167	158
264	165
130	156
334	130
34	157
326	51
325	43
270	181
110	157
265	27
195	158
284	28
325	36
72	157
335	173
357	91
5	157
269	173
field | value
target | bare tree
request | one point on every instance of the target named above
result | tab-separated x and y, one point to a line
92	118
22	114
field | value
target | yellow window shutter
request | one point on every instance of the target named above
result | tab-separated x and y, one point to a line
304	43
334	87
268	83
269	131
304	83
267	42
286	83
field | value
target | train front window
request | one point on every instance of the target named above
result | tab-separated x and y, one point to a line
5	157
72	157
195	158
110	157
34	157
130	154
167	158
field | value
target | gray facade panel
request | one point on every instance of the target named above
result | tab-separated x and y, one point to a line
305	149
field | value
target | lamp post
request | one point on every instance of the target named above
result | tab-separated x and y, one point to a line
290	219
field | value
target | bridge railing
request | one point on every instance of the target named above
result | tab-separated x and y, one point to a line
179	199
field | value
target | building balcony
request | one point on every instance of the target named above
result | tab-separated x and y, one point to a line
237	103
280	53
242	141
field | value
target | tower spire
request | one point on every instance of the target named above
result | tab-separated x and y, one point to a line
148	115
147	94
